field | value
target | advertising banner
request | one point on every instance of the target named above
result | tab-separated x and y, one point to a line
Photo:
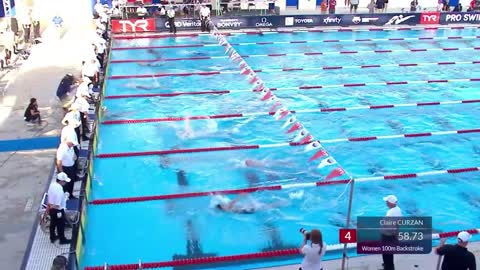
133	25
390	19
468	17
430	18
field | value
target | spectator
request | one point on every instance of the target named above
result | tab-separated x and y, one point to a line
8	57
36	25
27	27
457	257
446	6
171	20
371	7
323	7
204	18
66	163
90	70
162	11
380	6
331	6
472	5
142	11
440	5
314	252
413	5
347	3
83	106
73	118
458	8
59	263
386	5
98	9
56	208
354	6
67	84
389	235
32	113
69	133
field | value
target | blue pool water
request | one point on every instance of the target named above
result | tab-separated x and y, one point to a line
155	231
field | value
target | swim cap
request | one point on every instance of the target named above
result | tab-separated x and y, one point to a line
219	199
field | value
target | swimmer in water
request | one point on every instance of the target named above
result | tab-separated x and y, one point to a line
188	132
150	64
251	206
142	87
155	53
256	163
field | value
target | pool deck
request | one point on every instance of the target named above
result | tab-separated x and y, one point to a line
24	174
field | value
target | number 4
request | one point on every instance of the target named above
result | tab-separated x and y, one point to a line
347	236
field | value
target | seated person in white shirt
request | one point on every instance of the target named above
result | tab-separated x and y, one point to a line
56	205
142	11
314	252
90	70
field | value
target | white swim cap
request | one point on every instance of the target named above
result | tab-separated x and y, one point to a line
218	199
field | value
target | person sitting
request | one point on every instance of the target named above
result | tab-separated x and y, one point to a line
32	113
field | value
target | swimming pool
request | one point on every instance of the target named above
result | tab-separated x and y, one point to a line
429	76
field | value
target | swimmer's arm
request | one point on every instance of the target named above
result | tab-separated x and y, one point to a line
234	201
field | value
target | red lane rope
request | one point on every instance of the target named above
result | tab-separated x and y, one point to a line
241	257
173	94
287	54
322	110
120	37
276	145
210	73
295	42
178	151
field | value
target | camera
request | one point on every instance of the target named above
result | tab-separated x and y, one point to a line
305	232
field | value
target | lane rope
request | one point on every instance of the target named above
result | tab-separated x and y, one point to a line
321	110
210	73
295	42
305	54
323	30
311	87
245	257
281	187
292	143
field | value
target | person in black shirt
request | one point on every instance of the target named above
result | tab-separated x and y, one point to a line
457	257
32	113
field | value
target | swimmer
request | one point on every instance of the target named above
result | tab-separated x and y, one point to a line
142	87
188	132
155	53
265	163
150	64
224	204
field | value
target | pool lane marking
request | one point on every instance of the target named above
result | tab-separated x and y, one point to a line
322	110
343	29
308	54
282	187
295	42
210	73
285	144
303	87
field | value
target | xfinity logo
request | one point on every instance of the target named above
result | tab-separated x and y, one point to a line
264	23
398	19
330	20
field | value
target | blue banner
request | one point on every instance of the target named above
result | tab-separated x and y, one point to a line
459	17
296	21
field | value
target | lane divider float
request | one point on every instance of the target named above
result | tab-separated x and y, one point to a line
245	257
305	54
302	87
322	110
281	187
210	73
295	42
